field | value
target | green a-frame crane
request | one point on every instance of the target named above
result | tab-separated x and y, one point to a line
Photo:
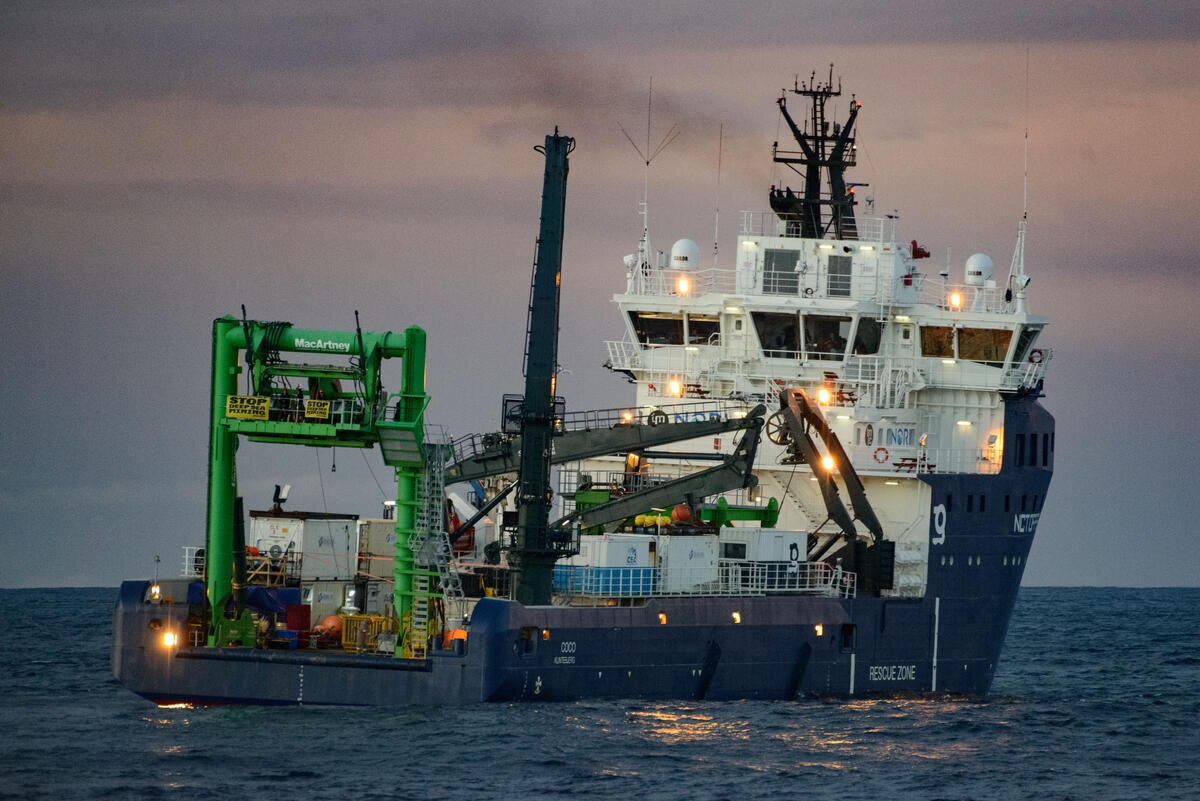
347	406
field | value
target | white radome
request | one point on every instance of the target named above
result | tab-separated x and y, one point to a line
979	270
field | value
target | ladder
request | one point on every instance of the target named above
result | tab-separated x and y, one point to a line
432	554
418	624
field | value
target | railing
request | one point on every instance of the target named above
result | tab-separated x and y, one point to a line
729	577
978	461
262	570
291	409
661	281
767	223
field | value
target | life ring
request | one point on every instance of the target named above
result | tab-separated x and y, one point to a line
881	455
1036	356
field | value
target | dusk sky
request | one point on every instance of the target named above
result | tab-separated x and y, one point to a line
163	164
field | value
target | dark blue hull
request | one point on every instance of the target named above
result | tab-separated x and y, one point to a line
780	647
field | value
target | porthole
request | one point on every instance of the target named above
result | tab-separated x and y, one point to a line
952	560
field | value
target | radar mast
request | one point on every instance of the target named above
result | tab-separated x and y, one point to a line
826	150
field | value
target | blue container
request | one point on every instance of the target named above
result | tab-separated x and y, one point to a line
285	639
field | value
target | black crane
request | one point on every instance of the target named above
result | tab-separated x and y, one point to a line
536	547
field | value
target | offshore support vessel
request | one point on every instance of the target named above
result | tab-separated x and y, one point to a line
828	485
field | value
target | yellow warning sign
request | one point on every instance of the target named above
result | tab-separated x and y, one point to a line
316	409
247	407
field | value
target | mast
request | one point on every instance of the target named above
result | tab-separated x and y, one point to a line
536	548
826	150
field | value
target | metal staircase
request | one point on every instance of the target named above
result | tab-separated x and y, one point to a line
432	554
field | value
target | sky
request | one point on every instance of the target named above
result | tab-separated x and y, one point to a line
163	164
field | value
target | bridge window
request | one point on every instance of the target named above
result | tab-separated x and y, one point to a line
653	328
779	272
970	503
937	340
777	333
838	277
982	503
1024	343
825	336
986	345
867	336
1020	450
701	328
1045	450
1007	503
1033	450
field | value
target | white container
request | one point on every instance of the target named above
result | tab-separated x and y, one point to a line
763	544
687	563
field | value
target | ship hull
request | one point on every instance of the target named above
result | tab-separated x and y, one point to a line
720	648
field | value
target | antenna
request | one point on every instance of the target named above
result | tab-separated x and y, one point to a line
1018	280
648	156
717	199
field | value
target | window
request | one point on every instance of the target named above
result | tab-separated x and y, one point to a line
1035	502
986	345
982	503
653	328
1020	450
937	340
949	503
970	503
1024	501
777	333
1045	450
1007	503
1033	450
825	336
1024	343
867	336
701	328
838	277
733	550
779	272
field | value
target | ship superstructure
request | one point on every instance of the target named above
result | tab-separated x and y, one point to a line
913	372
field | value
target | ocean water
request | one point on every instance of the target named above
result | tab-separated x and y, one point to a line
1097	697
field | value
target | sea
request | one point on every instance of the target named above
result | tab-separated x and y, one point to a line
1097	697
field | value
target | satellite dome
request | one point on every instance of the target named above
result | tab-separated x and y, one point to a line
979	270
685	255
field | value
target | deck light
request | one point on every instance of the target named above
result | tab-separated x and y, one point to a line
903	318
843	417
956	300
964	423
691	349
827	463
737	617
169	639
892	483
866	248
733	309
627	417
824	395
662	618
155	593
683	285
819	630
675	388
948	361
825	247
